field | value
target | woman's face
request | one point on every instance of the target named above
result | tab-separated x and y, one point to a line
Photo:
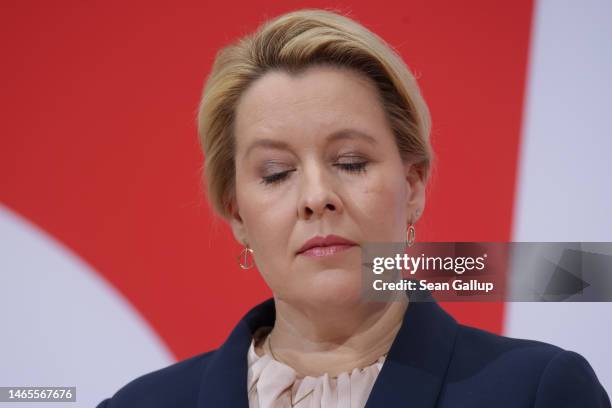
315	156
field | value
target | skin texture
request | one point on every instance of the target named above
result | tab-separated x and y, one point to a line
322	325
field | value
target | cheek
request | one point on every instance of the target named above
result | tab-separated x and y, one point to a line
268	226
268	222
259	207
380	203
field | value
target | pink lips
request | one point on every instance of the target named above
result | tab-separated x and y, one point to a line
325	246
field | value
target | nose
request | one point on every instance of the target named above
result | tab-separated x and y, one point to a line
317	194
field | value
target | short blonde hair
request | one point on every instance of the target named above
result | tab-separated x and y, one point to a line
293	42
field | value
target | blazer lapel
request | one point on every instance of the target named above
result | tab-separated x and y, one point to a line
414	370
224	383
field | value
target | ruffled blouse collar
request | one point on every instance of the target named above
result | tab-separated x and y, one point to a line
272	383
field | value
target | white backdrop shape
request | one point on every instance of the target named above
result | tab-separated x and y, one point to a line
564	190
62	323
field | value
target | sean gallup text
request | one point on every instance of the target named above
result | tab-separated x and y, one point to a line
471	285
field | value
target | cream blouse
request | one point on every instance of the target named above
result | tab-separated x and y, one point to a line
272	384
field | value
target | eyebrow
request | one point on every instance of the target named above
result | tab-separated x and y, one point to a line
351	134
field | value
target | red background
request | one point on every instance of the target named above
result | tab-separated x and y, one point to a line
99	144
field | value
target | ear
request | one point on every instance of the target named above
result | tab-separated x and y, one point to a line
415	188
236	222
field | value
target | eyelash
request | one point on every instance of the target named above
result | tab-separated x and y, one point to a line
358	167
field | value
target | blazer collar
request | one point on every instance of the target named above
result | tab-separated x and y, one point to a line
414	369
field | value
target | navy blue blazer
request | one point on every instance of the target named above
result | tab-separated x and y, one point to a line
433	362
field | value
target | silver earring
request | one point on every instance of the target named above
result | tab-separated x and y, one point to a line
243	258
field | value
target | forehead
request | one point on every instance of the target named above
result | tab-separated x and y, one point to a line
319	100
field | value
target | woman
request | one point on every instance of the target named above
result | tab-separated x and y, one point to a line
316	141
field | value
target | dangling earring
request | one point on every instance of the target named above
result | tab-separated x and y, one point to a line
410	235
243	260
411	232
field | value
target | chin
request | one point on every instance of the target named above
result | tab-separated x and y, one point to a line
336	288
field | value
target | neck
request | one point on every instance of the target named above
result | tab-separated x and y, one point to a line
314	341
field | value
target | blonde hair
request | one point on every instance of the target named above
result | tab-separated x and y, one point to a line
293	42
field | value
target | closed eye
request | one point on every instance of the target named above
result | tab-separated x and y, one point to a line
276	178
352	167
